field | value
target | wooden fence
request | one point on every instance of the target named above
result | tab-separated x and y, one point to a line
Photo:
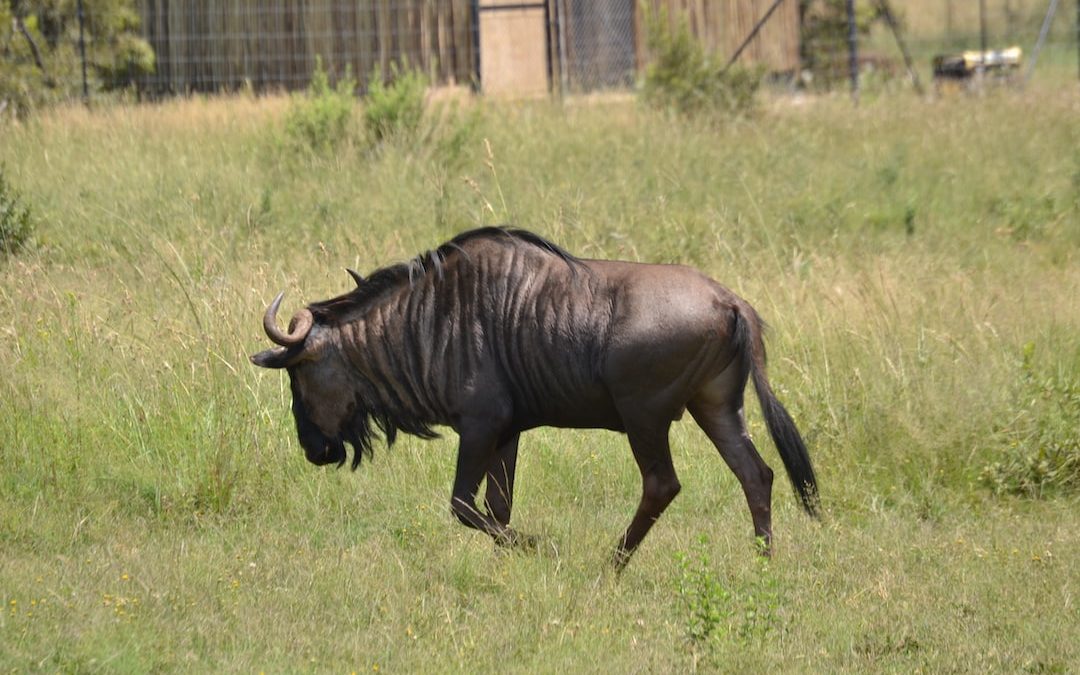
212	45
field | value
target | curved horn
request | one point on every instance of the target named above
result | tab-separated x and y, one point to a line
355	275
301	324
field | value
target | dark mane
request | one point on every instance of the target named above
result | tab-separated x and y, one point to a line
393	276
515	233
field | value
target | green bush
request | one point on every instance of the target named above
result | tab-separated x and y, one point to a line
684	78
455	130
824	38
395	109
15	224
707	603
319	119
744	612
131	56
1043	441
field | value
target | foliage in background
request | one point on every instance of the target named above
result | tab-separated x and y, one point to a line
683	77
1043	439
15	224
394	109
397	112
394	112
456	128
39	50
319	118
823	37
125	56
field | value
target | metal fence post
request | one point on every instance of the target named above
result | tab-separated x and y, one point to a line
853	50
82	53
474	14
1043	32
982	36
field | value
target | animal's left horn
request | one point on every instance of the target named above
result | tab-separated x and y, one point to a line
302	323
355	275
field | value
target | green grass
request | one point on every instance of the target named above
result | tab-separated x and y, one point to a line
918	263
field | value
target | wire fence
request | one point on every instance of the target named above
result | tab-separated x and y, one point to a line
598	45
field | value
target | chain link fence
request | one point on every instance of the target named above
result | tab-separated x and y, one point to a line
598	45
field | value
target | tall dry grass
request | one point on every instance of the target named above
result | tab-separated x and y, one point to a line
917	262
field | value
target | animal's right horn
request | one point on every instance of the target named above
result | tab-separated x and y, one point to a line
302	323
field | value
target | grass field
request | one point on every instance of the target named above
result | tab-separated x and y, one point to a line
919	262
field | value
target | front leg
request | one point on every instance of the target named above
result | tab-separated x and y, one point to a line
499	498
477	452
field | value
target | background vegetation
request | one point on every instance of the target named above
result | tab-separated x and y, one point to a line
683	78
918	261
40	58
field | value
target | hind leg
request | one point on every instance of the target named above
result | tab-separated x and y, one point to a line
722	421
659	485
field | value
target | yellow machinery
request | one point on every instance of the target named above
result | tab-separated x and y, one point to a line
967	64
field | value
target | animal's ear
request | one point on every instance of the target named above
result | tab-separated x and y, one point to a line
355	275
275	358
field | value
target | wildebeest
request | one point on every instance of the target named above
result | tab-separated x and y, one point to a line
499	331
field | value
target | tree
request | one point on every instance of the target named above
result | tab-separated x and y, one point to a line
39	50
823	43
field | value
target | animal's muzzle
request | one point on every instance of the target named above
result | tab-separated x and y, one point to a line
319	448
329	452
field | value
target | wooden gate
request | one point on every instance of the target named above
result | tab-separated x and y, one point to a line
513	48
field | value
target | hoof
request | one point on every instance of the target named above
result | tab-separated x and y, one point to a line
518	541
763	545
619	558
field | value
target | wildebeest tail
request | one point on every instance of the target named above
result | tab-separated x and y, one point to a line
751	346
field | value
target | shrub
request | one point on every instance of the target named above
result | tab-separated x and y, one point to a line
455	131
824	37
15	224
319	119
707	603
1043	441
684	78
744	612
130	58
395	109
